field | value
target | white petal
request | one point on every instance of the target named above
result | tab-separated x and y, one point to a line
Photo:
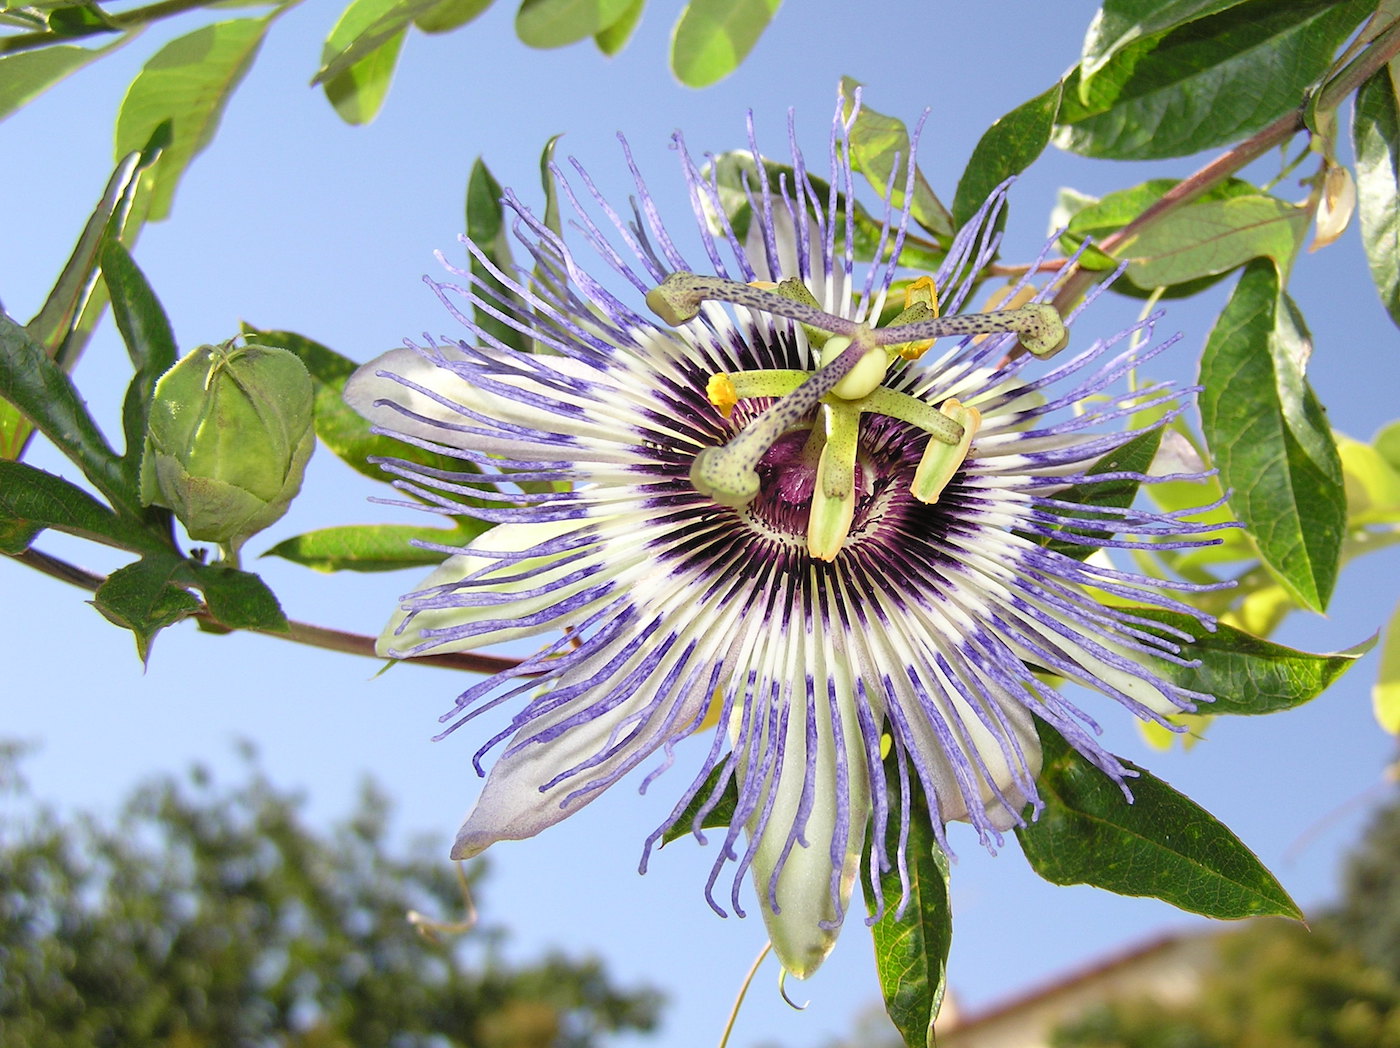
375	395
513	806
404	629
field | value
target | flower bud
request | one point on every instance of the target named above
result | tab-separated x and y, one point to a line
227	441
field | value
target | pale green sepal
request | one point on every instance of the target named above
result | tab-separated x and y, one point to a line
804	927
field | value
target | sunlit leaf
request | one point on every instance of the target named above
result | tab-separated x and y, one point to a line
488	229
1122	22
447	15
1215	233
1387	444
1162	845
26	75
374	547
189	82
381	21
358	90
1007	148
880	148
1206	83
1270	438
1373	484
557	23
614	38
1376	136
1385	695
713	36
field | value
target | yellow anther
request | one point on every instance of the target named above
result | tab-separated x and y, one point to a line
921	292
941	461
722	394
763	285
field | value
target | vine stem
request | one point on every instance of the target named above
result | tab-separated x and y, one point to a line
1382	49
297	632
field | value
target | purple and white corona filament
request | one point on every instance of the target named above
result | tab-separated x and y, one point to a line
763	516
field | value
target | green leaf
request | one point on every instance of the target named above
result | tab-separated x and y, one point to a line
712	37
1122	22
28	74
1385	695
911	952
358	91
1248	675
1134	456
720	816
374	547
188	82
378	22
1007	148
80	19
1206	83
340	428
614	38
1162	845
32	500
40	390
150	343
1270	439
1218	231
143	598
1211	237
488	229
557	23
238	599
1376	136
447	15
878	143
1387	444
72	307
73	297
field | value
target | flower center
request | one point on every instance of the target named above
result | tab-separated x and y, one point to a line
822	408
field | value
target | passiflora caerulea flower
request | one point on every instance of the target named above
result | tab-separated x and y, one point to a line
759	512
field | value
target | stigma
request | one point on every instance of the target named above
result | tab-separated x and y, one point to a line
854	361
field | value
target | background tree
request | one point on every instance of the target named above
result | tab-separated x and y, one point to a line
1281	985
208	915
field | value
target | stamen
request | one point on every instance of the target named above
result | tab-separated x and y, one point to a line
728	474
942	460
834	496
721	393
920	304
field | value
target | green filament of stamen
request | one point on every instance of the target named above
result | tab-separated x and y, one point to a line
834	497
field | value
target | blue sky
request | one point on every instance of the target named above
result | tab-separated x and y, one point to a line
295	220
